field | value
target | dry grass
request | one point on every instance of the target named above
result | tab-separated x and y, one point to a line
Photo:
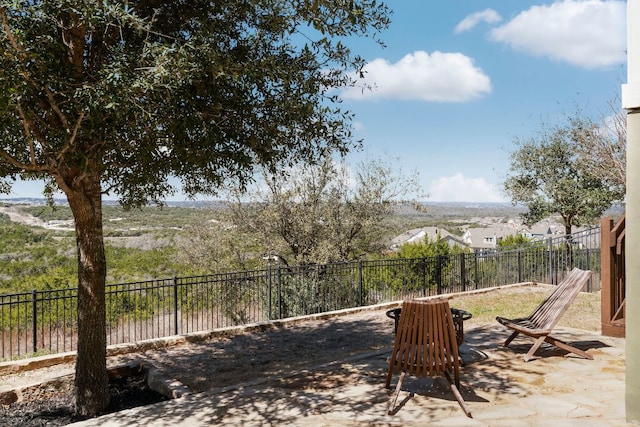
583	313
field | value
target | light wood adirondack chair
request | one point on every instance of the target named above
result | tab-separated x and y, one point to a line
541	322
425	345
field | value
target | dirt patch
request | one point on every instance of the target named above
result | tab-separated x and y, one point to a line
52	404
16	215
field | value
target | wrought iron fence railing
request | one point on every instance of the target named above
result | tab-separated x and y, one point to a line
43	322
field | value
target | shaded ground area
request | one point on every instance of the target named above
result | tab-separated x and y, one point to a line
222	362
499	387
211	364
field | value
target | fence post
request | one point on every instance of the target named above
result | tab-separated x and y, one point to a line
175	305
423	269
551	261
279	284
34	298
587	267
439	273
463	272
519	265
269	307
475	268
360	283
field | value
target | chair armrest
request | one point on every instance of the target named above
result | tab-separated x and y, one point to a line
520	326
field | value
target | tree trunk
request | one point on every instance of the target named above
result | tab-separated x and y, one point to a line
568	244
91	382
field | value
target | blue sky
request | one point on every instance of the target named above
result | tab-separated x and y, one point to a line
459	80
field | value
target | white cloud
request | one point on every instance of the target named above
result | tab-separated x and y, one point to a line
439	77
489	16
358	126
586	33
458	188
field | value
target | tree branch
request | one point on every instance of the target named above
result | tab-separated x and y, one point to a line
72	139
54	106
62	184
20	166
12	40
22	56
30	128
75	128
27	131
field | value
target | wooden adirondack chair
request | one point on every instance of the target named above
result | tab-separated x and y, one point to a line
541	322
425	345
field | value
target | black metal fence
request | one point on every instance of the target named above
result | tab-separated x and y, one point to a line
43	322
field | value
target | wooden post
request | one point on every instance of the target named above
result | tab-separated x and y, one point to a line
607	278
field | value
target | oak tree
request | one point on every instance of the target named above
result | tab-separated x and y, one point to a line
548	175
601	144
325	212
139	99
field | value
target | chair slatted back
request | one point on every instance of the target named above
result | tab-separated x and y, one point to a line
555	305
425	343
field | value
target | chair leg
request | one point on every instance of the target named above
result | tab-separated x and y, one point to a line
458	396
394	396
389	375
511	337
564	346
534	348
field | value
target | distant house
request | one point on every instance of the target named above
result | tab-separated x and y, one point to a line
487	238
483	239
543	231
418	235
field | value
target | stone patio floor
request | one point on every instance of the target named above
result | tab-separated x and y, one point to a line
554	389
